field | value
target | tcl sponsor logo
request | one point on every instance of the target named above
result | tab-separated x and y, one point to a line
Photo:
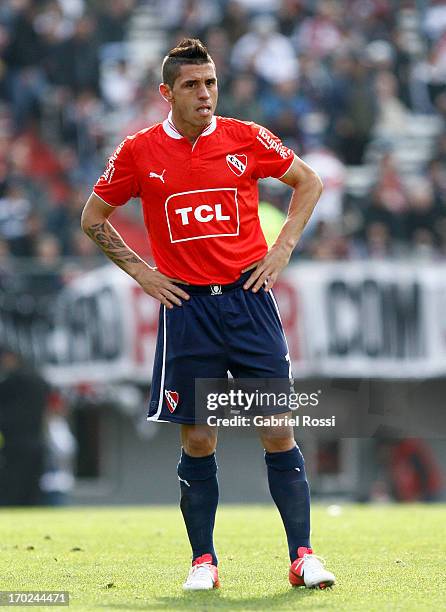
206	213
203	213
270	143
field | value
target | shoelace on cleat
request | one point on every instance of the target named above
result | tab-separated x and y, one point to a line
319	560
195	569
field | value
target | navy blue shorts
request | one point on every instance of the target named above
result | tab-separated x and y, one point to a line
220	329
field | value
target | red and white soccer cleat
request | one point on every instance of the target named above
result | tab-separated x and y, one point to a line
308	570
203	576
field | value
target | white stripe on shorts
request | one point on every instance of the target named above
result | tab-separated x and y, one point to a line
270	292
163	372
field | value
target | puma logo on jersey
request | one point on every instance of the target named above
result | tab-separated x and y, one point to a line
237	163
159	176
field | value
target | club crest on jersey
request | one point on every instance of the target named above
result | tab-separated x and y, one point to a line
237	163
172	398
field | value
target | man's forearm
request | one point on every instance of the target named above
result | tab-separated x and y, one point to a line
305	195
95	224
113	246
303	201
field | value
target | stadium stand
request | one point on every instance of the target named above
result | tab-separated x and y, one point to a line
362	84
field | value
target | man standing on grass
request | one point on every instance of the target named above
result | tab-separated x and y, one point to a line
196	175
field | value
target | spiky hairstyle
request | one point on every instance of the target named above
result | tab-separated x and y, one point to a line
188	51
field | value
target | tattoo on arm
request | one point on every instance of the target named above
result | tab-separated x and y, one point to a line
108	239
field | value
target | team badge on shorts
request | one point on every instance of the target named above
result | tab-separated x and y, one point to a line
237	163
172	398
216	290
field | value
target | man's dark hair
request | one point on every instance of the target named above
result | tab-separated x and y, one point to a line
188	51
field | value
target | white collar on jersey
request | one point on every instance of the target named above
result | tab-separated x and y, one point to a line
171	130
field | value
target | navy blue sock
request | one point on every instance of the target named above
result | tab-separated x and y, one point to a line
289	489
199	499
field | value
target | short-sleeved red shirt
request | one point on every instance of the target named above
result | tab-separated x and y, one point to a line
200	201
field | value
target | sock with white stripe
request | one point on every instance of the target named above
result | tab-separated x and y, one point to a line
198	502
290	491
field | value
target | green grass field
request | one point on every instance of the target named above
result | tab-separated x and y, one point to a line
127	558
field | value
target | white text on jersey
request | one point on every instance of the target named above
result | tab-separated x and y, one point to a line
199	216
270	143
110	170
202	213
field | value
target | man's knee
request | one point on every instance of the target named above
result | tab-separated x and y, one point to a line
277	439
275	444
198	441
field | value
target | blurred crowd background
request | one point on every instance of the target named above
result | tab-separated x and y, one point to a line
357	88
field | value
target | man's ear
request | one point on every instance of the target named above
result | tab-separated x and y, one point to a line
166	92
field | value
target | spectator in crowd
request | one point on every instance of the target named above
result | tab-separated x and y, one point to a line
390	186
82	128
266	52
378	241
290	15
409	471
15	210
235	20
189	15
435	19
6	265
421	216
62	216
118	86
241	99
79	57
23	401
351	108
440	148
436	174
326	244
57	479
392	115
314	80
219	45
285	110
26	80
333	174
112	21
387	202
321	34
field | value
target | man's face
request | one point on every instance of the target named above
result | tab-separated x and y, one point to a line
194	94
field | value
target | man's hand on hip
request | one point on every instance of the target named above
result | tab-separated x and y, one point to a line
161	287
268	268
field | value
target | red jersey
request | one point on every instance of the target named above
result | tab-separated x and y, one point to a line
200	201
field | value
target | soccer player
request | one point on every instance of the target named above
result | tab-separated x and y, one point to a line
196	175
